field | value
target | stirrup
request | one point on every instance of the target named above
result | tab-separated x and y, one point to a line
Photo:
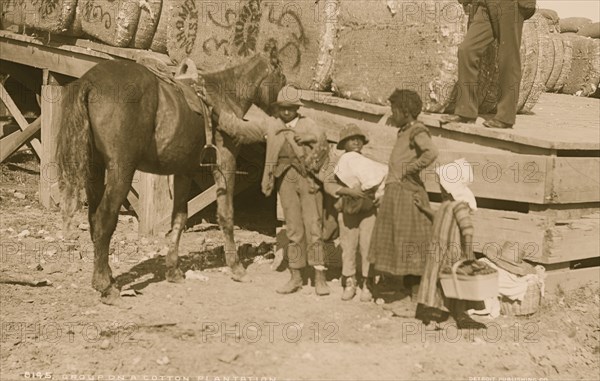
209	160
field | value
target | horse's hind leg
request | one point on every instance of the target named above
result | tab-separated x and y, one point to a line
178	220
105	221
94	190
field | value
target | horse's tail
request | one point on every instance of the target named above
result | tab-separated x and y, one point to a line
73	149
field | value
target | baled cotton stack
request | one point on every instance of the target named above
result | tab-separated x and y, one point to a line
573	24
383	45
218	34
112	22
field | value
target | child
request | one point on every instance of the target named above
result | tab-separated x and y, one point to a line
402	231
360	182
452	240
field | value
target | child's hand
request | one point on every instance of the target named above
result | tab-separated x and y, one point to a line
353	192
418	202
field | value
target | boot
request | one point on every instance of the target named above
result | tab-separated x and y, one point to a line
365	294
292	285
349	288
321	287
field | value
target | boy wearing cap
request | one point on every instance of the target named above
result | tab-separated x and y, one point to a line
297	148
451	241
358	184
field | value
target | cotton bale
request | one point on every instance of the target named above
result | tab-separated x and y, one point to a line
159	40
573	24
54	16
552	19
112	22
583	77
383	45
147	23
557	62
590	30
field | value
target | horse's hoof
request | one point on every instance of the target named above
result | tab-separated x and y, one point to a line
175	275
112	297
102	283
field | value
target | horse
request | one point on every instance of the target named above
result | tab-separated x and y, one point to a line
119	117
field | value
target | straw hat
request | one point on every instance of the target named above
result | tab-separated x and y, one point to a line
455	177
510	261
349	131
288	96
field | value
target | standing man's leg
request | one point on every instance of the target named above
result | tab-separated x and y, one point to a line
292	212
510	27
478	38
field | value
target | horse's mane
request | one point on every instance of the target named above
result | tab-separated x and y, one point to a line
244	79
236	87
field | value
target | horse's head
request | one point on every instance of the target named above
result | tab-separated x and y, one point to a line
274	80
255	81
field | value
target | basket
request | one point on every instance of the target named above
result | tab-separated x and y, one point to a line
469	287
528	306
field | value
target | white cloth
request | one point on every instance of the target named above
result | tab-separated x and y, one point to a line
292	123
515	286
455	178
354	169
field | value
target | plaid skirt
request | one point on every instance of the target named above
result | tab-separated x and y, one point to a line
402	233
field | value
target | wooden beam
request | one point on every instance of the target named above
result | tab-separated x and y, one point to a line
155	203
19	118
51	94
68	60
571	279
14	141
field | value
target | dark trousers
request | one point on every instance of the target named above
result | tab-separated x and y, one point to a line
500	20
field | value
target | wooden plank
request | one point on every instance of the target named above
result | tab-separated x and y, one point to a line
570	279
71	62
575	180
155	203
572	240
569	123
540	239
14	141
19	118
50	126
126	53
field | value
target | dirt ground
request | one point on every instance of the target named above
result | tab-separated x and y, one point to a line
215	329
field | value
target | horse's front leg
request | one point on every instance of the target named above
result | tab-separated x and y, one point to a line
178	219
225	180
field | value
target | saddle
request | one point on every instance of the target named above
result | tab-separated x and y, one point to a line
191	85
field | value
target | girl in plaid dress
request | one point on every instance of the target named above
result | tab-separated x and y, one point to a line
402	232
